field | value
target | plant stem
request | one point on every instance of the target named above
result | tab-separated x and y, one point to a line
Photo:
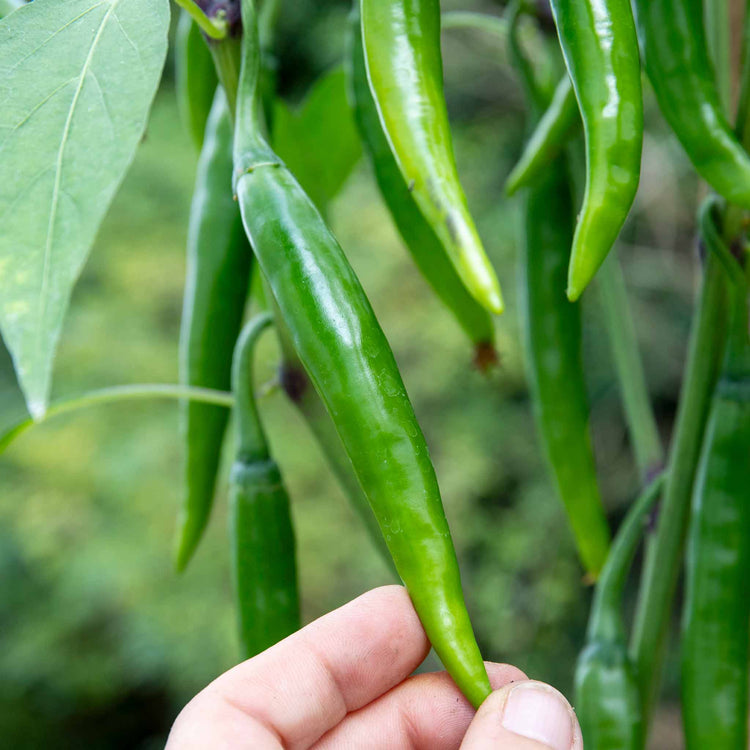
605	620
618	320
268	15
664	552
493	25
206	25
226	54
742	125
716	14
117	393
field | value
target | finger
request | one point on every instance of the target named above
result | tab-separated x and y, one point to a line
425	711
291	694
524	716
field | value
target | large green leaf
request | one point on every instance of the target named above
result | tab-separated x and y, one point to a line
76	82
319	141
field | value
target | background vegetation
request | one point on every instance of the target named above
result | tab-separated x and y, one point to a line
100	642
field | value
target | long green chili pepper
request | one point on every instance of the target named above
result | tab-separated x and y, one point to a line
195	78
607	700
347	357
419	237
552	333
673	42
402	53
552	132
218	278
261	533
664	548
716	614
600	47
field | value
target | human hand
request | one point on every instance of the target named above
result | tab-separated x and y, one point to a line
343	682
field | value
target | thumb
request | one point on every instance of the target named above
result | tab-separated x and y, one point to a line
526	715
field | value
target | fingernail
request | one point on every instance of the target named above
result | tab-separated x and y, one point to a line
536	711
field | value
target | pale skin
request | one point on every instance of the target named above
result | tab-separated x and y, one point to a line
345	681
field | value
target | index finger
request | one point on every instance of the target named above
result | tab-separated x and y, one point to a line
297	690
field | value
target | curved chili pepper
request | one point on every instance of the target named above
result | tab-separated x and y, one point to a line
717	606
552	132
600	47
261	533
420	239
195	78
218	278
402	53
607	700
673	42
347	357
552	337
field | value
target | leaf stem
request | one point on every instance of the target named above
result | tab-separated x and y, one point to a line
664	552
213	29
117	393
618	320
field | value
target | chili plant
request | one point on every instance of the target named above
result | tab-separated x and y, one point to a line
77	80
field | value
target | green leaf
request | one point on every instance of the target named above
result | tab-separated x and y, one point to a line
319	142
12	407
77	79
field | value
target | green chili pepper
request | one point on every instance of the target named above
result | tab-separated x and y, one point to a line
607	701
675	55
599	44
347	357
552	333
260	523
419	237
404	67
195	78
552	132
717	606
218	277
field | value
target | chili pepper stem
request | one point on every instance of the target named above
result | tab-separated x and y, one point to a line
213	29
226	54
618	321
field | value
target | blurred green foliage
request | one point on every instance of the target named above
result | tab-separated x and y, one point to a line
100	642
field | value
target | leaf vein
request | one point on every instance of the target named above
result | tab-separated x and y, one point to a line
55	33
58	172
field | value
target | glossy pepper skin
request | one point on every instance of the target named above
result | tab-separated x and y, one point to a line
673	42
195	78
552	132
401	41
216	288
552	339
350	364
716	613
607	700
420	239
260	525
600	47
